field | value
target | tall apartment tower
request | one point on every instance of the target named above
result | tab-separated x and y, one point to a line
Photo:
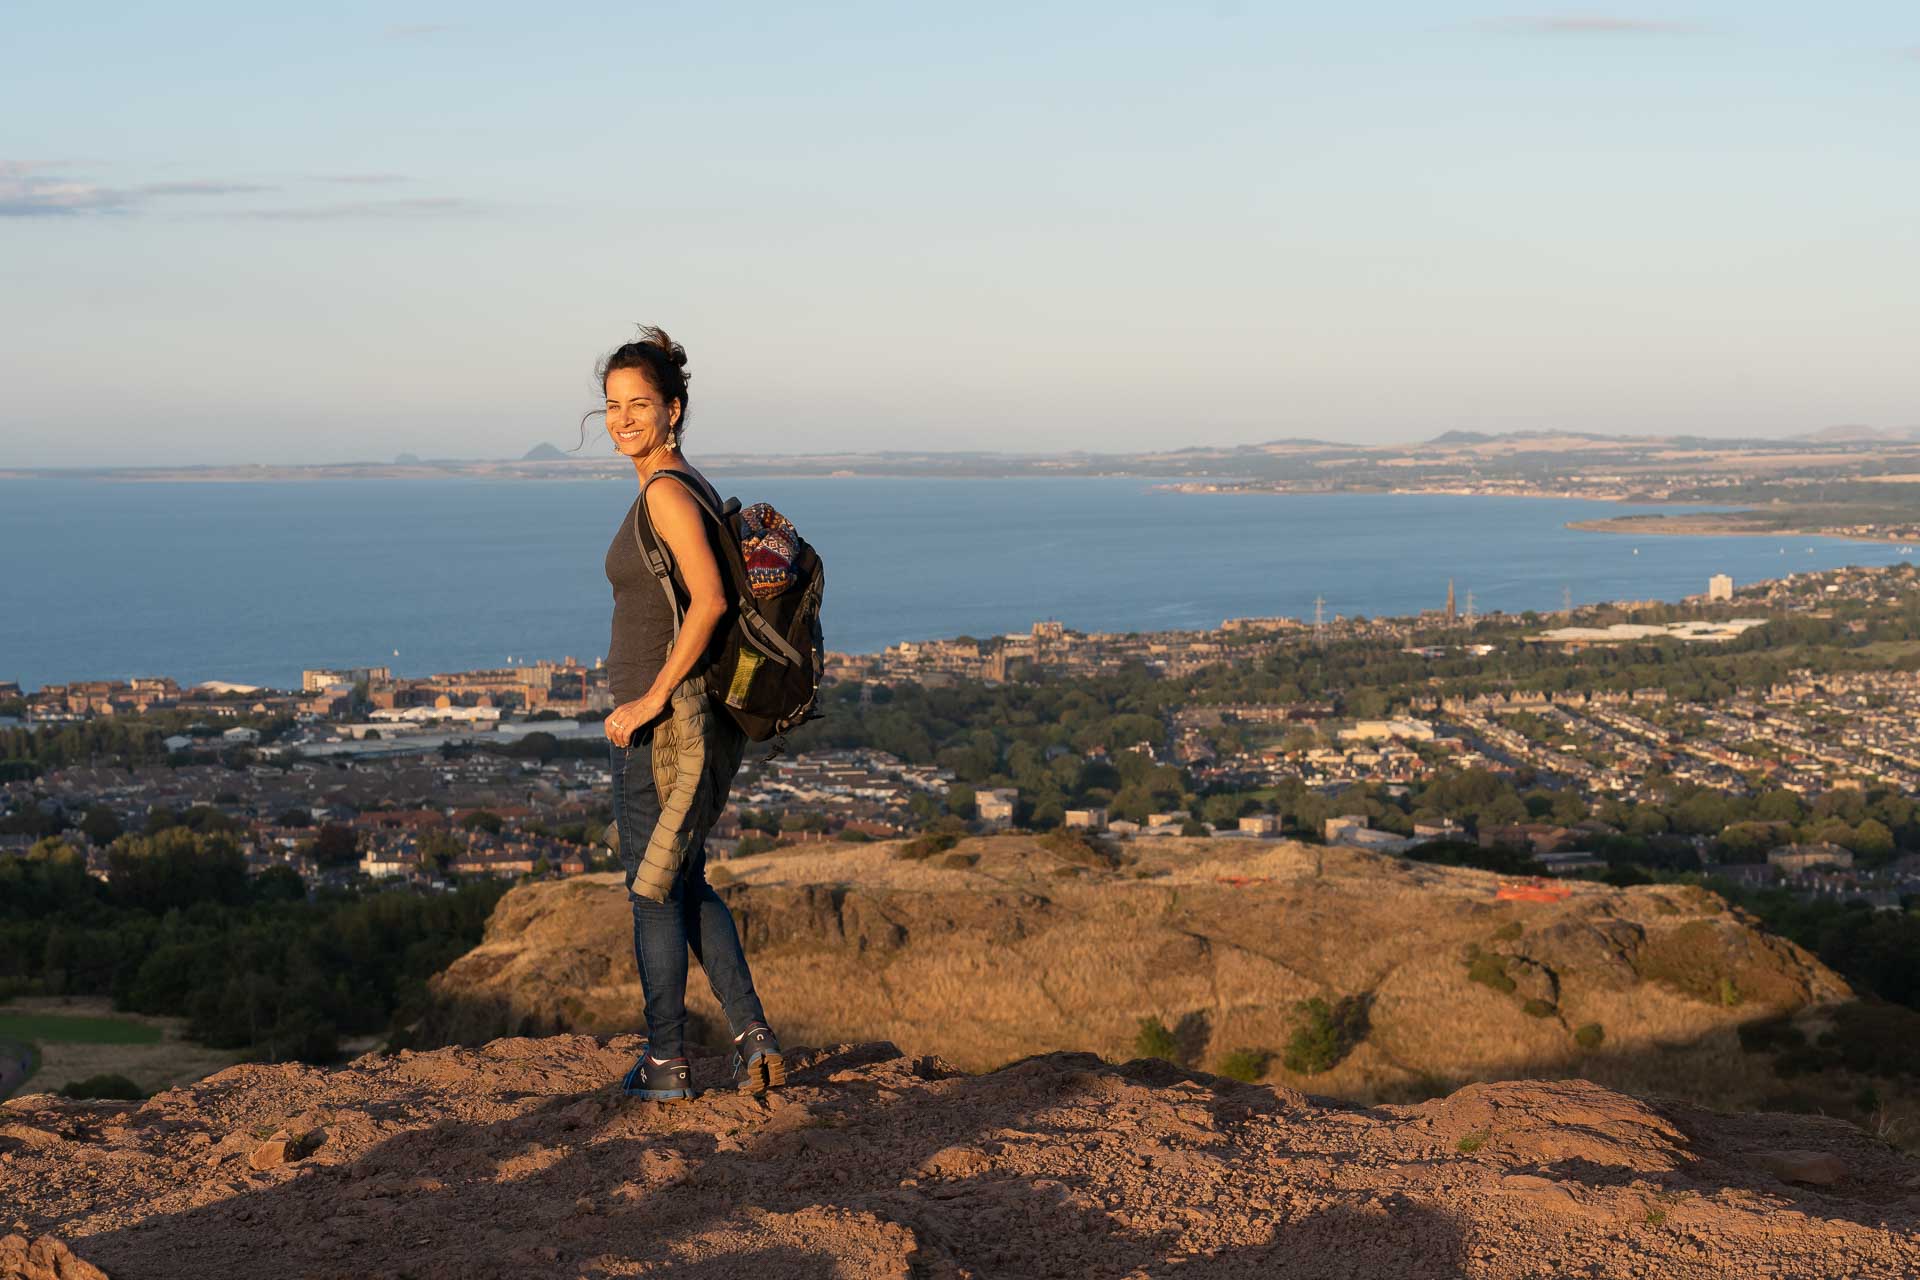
1450	612
1719	587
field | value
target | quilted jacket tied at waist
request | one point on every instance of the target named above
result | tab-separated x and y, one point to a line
696	753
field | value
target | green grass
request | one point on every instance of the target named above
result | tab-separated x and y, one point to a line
1473	1142
60	1028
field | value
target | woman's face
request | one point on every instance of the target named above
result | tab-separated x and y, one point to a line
637	419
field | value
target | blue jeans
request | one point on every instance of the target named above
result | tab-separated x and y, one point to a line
693	916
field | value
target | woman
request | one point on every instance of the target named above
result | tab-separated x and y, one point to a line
674	755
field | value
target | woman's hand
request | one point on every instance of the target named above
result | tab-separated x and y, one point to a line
630	717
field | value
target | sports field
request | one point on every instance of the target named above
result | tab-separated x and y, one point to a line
69	1040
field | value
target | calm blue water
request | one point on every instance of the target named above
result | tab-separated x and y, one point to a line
251	582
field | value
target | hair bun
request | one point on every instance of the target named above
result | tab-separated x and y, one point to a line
654	336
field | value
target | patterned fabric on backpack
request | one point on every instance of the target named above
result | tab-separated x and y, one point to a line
767	544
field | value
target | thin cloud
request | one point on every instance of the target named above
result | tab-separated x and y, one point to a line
417	30
202	188
1589	24
419	207
39	190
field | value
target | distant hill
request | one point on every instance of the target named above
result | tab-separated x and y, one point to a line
406	460
544	453
1853	433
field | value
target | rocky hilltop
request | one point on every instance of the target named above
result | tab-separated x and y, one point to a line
521	1159
1428	977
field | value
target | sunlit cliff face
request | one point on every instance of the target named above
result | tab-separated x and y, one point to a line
637	419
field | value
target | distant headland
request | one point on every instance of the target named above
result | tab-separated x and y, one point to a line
1842	482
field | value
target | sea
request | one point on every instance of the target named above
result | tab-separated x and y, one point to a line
250	582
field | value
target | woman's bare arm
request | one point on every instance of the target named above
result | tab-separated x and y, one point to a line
681	523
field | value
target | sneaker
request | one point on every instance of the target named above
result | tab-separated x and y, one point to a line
757	1064
658	1079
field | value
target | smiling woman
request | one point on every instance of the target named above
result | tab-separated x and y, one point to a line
672	753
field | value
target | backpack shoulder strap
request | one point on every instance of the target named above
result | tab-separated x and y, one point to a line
653	549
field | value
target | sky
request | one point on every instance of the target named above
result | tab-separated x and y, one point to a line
236	233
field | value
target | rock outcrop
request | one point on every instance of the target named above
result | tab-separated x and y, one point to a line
1016	947
521	1159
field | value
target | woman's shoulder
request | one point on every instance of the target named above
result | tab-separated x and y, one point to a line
690	482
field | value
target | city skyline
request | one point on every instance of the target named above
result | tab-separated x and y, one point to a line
329	237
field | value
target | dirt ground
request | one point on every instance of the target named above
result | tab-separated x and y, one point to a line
523	1159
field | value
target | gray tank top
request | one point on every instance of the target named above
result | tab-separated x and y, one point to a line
642	624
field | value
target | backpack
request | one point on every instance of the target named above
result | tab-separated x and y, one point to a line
765	660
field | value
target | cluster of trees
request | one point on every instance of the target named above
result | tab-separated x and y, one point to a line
125	740
254	964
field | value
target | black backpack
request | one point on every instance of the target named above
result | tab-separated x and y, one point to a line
767	654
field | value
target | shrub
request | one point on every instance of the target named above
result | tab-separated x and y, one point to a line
103	1086
1489	970
720	877
922	847
1326	1034
1508	932
1539	1008
956	861
1245	1065
750	845
1770	1034
1079	850
1589	1036
1875	1037
1153	1040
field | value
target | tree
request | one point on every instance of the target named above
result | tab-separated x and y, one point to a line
335	845
101	824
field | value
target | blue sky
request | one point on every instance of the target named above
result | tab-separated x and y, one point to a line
238	233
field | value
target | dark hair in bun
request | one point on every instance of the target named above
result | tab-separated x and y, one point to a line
660	358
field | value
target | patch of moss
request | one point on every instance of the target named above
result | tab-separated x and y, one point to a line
1489	970
1473	1142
